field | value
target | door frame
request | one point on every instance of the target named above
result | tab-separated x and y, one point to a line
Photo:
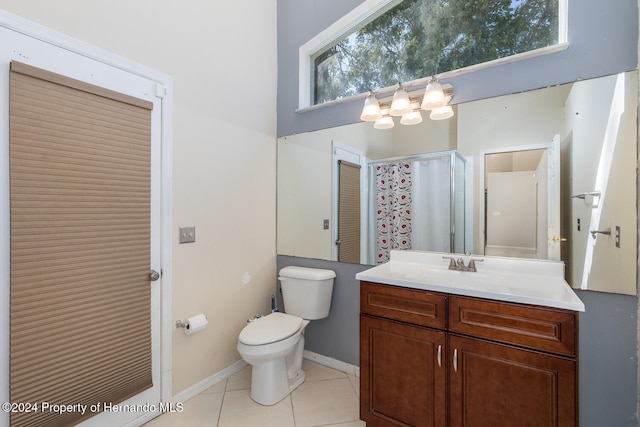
343	152
163	91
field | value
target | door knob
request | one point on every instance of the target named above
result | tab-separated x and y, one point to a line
153	275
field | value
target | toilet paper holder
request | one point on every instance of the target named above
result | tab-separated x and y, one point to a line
193	324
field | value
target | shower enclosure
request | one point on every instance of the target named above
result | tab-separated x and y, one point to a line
418	203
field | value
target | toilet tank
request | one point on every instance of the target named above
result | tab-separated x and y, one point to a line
306	292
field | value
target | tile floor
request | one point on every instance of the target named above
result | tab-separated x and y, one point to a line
326	398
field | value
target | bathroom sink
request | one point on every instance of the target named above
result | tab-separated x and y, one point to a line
539	282
459	278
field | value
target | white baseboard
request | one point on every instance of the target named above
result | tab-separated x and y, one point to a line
332	363
203	385
193	391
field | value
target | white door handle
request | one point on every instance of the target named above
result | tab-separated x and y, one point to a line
440	356
455	360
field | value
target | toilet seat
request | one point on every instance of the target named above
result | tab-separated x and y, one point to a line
271	328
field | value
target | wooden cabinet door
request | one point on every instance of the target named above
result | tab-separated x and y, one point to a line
499	385
402	374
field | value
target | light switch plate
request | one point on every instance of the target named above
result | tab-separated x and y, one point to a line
187	234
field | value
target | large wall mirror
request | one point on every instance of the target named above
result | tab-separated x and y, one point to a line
549	173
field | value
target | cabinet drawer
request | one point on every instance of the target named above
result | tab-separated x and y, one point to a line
540	328
404	304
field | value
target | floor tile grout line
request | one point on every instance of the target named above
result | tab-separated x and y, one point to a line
293	411
224	396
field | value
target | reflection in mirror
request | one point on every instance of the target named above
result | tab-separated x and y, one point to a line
594	123
418	203
600	155
522	203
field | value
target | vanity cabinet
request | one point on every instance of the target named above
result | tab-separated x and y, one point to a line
437	359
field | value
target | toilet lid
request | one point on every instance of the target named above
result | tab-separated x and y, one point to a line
270	328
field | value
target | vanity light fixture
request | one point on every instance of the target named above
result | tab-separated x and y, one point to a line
436	98
412	118
384	122
401	103
441	113
371	110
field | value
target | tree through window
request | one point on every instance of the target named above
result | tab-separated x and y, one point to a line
419	38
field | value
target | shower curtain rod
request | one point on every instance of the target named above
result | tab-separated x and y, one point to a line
426	156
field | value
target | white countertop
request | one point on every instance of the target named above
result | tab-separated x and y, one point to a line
537	282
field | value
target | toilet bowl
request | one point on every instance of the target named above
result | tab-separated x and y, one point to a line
273	344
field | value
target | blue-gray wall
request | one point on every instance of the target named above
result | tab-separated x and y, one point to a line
337	335
603	38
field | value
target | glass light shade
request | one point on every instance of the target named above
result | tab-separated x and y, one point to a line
433	96
385	122
371	109
441	113
401	103
412	118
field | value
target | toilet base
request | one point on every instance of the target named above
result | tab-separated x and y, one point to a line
270	384
296	381
275	379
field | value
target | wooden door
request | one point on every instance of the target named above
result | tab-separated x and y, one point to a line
498	385
402	374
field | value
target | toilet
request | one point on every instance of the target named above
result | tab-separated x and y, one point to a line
273	344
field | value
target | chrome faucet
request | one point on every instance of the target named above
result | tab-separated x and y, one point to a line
458	265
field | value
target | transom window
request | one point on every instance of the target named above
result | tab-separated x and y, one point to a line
419	38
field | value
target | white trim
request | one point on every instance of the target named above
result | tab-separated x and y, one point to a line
166	238
468	208
57	39
143	419
553	193
563	21
349	154
330	362
371	9
338	29
208	382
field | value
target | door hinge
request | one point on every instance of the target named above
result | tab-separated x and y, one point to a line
161	91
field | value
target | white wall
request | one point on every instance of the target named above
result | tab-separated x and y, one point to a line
427	137
511	209
224	150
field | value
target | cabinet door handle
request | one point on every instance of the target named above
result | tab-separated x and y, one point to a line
455	360
440	356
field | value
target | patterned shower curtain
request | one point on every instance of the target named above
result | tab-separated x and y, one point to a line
393	209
